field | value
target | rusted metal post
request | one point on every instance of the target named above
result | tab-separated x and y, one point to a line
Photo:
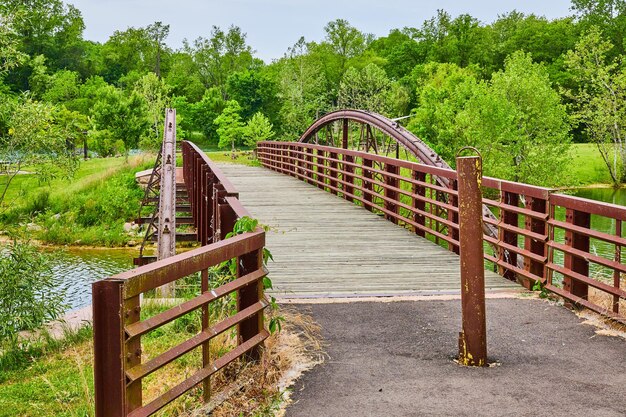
348	170
206	347
333	172
109	368
506	236
321	174
473	337
367	184
538	247
248	296
454	217
574	263
419	205
309	165
167	198
391	182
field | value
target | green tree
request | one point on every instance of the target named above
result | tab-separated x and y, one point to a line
220	56
45	27
518	122
158	32
600	99
257	129
203	113
443	91
302	89
29	294
255	92
33	139
607	15
117	117
367	89
229	125
155	94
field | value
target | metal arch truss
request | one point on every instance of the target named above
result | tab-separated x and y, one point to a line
394	136
368	141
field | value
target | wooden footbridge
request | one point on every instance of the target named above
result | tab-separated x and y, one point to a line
358	207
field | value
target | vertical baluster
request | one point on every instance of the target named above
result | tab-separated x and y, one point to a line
574	263
506	236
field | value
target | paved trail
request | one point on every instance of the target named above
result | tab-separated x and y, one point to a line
395	359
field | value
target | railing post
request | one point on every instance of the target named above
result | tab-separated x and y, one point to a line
246	297
309	165
202	229
132	310
206	347
348	170
108	346
535	246
391	181
321	175
418	204
454	218
473	337
506	236
574	263
367	184
333	172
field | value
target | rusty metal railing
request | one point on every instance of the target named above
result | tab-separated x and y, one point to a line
118	327
526	249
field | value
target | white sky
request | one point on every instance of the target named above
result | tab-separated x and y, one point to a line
274	25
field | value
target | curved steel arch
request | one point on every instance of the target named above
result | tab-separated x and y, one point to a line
393	129
424	153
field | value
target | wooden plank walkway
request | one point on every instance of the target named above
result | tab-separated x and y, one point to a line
324	246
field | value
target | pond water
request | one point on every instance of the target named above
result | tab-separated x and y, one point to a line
76	269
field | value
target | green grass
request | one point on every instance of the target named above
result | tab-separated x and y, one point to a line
89	209
587	166
242	158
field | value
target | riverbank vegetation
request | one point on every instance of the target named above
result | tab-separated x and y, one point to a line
90	209
521	88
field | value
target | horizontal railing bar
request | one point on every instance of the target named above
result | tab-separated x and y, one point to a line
517	188
609	263
142	370
372	192
609	210
143	327
515	269
519	210
612	239
515	249
440	172
178	266
590	281
520	231
199	376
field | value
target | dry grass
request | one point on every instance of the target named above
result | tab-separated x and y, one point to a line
262	388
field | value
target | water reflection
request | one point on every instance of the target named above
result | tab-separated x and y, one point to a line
76	269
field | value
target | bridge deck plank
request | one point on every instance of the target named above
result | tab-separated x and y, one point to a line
325	246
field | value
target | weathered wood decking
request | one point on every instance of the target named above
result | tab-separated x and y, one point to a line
325	246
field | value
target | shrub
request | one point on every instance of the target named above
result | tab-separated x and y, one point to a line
29	296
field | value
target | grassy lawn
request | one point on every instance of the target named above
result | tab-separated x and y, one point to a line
586	166
88	173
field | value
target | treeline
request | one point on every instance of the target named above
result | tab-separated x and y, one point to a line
521	88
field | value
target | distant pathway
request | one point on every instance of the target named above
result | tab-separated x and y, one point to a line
325	246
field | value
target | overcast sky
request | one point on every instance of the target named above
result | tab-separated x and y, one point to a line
274	25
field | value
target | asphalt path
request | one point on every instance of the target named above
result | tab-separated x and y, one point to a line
397	359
